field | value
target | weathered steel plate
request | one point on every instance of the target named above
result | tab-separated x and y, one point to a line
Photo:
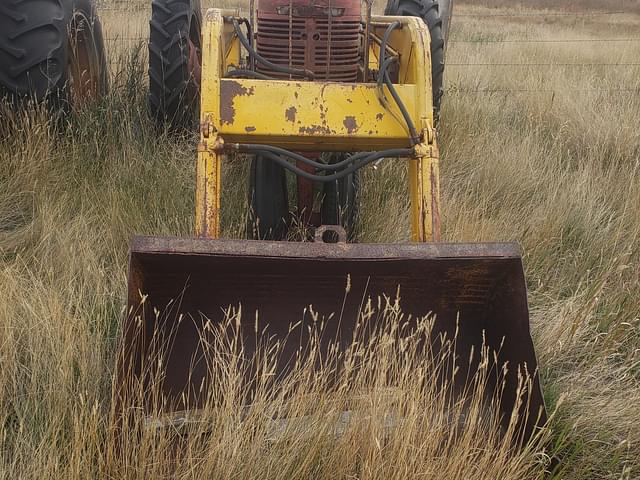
478	288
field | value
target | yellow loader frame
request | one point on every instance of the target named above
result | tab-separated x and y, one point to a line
317	116
179	287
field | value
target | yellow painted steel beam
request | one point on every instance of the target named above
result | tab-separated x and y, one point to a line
216	38
316	115
424	190
208	192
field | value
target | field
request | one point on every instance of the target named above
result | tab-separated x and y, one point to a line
540	144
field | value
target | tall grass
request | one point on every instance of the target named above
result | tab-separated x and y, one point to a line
583	6
374	410
555	170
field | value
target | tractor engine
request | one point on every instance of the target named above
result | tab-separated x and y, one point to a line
321	36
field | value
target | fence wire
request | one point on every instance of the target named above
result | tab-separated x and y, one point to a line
514	65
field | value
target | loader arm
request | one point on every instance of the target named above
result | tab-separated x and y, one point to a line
311	116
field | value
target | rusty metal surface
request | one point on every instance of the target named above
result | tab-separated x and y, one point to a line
88	81
330	234
480	286
230	90
318	35
377	251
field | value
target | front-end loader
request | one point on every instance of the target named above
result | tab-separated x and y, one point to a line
317	90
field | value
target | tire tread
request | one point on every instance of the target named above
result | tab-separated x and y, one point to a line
32	46
169	78
429	12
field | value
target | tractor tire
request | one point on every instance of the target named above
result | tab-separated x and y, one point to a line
52	50
446	12
174	44
268	201
88	73
429	12
340	200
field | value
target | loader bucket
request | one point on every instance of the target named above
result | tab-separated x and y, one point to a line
477	290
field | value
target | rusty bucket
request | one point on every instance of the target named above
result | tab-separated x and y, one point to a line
476	291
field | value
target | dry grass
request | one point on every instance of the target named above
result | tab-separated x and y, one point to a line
582	6
383	416
557	170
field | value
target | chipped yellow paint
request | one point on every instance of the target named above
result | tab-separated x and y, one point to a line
208	185
424	190
208	163
329	116
317	116
310	115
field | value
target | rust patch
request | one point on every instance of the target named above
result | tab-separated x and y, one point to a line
249	129
380	116
496	290
290	114
350	124
315	130
229	90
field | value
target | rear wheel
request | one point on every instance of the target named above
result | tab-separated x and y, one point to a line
268	201
175	56
88	75
53	50
431	13
446	11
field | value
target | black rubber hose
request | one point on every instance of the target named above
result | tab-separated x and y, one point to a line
278	68
242	73
415	139
382	72
385	40
252	62
372	157
383	75
249	31
252	148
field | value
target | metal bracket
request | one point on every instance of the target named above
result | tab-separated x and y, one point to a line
217	146
330	234
206	127
428	132
426	150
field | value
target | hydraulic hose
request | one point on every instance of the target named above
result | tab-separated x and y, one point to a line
363	158
242	73
383	76
260	59
253	148
385	39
